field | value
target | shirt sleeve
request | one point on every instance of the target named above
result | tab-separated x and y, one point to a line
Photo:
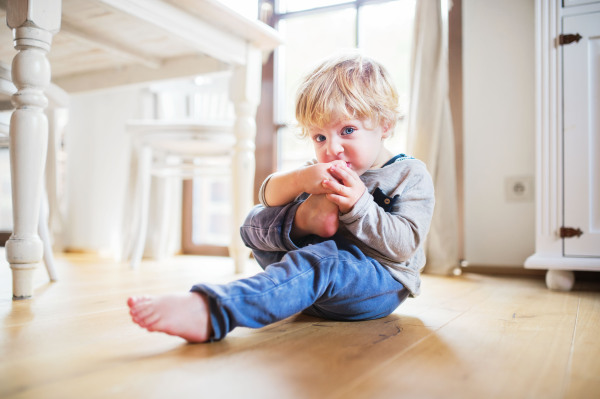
397	234
261	191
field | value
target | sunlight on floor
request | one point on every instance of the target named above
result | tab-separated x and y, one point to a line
197	268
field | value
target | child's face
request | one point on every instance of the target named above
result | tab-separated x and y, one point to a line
353	141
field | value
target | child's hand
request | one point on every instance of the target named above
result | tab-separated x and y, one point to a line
284	187
313	176
346	187
317	215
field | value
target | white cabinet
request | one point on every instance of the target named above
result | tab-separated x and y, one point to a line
567	140
581	133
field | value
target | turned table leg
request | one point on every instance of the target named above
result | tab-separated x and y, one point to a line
245	94
33	23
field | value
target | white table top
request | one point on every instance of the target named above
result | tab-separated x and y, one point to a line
104	43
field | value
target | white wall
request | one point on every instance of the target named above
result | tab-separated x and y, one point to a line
98	167
498	73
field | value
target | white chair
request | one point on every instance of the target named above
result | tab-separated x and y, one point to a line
191	134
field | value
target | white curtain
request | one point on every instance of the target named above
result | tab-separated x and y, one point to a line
430	133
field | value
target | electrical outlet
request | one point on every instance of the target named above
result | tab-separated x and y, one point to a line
519	188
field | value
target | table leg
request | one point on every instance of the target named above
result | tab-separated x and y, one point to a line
32	26
245	94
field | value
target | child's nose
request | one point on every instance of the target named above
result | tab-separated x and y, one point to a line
334	148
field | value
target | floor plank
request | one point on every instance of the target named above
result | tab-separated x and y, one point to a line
584	366
513	342
470	337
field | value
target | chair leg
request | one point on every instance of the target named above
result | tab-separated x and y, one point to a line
131	213
165	209
144	179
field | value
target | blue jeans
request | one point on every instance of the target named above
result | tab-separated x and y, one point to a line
331	279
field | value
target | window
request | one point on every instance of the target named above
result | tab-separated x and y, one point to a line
207	197
312	29
380	29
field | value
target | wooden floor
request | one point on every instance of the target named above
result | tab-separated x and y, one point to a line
472	336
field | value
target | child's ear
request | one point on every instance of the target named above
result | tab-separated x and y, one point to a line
386	130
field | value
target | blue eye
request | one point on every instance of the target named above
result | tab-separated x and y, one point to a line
348	130
319	138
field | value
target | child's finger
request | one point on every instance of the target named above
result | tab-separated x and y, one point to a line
344	174
333	186
342	202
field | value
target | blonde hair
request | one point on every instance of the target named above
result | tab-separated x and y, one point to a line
348	86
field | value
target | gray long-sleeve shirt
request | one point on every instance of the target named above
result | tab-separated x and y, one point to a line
391	219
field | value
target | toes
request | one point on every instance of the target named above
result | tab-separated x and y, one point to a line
131	301
146	320
144	315
150	322
137	301
142	310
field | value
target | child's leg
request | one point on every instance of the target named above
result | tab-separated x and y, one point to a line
266	232
268	229
337	283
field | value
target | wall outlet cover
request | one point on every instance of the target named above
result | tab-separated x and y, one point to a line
519	188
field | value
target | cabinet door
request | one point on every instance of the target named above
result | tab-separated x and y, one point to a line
581	130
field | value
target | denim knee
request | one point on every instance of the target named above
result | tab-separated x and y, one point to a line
267	229
367	309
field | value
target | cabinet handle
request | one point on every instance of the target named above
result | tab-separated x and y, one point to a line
569	38
568	232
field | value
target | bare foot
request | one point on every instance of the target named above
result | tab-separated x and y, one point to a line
317	215
183	315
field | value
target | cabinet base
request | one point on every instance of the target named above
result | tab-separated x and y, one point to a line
559	275
560	280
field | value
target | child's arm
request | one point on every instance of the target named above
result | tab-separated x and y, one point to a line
319	214
395	235
268	225
283	187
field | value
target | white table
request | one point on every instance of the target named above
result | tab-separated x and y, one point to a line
108	43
